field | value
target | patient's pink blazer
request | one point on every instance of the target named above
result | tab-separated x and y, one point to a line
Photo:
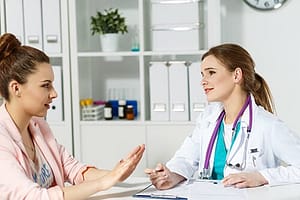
15	172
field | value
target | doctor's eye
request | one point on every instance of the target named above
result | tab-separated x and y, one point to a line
208	73
46	85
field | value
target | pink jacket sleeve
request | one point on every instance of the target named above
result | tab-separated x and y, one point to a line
15	173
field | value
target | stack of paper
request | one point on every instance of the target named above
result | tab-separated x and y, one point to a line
195	190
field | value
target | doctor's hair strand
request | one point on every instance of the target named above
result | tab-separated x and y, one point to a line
261	87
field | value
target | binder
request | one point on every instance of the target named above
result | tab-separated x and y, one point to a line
33	23
181	23
51	26
178	87
186	37
14	18
55	113
197	96
159	91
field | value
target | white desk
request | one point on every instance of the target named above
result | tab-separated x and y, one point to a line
124	191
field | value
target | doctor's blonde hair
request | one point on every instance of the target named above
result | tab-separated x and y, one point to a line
234	56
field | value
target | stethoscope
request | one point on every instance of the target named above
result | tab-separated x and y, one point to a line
205	174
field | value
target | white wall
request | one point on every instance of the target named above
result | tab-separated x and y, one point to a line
273	39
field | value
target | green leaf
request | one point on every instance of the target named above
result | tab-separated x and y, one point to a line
108	21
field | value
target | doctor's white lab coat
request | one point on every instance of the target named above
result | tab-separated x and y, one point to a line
270	144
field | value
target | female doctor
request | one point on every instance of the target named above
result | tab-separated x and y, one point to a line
237	139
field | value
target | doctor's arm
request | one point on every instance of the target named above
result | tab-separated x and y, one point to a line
285	145
282	145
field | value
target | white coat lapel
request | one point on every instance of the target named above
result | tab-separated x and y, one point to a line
208	127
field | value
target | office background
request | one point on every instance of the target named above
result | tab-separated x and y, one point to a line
272	37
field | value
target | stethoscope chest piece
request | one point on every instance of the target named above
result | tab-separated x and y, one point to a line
205	174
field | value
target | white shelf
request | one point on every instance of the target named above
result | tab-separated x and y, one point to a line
157	53
117	122
145	53
104	54
93	70
89	72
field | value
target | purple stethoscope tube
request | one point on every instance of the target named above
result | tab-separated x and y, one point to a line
219	121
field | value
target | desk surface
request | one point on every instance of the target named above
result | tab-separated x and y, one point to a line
132	185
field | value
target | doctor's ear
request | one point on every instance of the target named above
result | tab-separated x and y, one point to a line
15	88
238	74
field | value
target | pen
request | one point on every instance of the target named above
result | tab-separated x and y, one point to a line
145	188
208	181
159	196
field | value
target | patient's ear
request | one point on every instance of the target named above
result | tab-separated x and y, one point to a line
14	88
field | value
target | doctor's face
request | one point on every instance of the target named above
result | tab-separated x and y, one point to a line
217	81
38	92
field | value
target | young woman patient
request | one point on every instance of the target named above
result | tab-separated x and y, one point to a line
32	164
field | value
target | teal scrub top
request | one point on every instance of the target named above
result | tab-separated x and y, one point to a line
221	152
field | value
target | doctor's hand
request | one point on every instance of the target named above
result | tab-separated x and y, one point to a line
162	178
244	179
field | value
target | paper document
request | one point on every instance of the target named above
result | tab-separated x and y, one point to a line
195	190
174	193
200	189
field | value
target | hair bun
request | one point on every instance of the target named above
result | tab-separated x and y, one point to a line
8	43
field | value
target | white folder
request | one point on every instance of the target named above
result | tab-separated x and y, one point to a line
55	113
159	91
51	26
14	18
197	96
178	83
174	12
33	23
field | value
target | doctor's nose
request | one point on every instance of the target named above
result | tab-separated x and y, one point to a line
53	93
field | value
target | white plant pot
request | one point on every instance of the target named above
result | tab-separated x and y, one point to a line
109	42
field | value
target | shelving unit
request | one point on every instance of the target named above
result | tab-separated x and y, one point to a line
96	74
61	129
90	73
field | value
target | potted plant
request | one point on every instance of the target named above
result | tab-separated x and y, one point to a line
108	25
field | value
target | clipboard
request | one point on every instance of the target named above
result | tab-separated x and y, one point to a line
150	192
